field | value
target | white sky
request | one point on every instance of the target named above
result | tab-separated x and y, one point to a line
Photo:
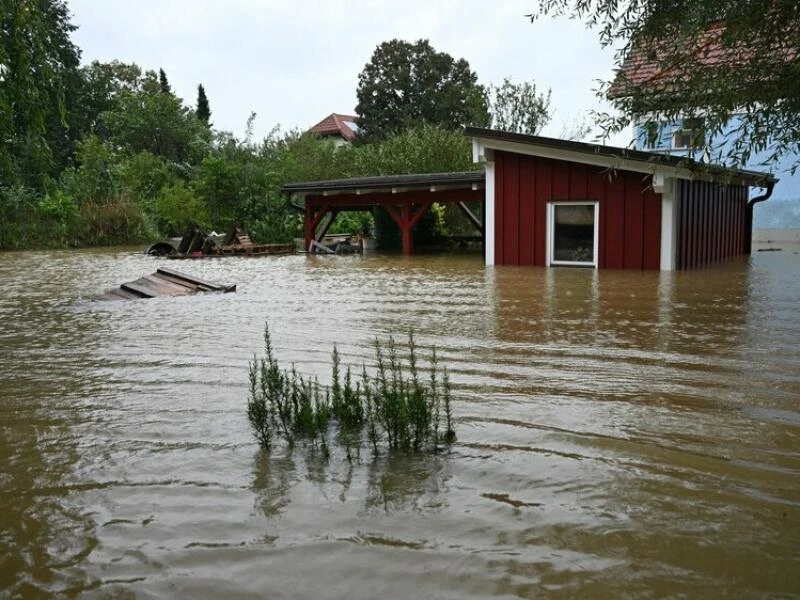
294	62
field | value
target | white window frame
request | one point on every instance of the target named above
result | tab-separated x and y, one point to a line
551	206
690	132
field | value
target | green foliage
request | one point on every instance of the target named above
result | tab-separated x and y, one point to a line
405	85
517	107
353	223
60	212
138	163
143	176
176	206
38	87
157	123
203	110
95	179
395	408
163	82
755	75
421	149
116	220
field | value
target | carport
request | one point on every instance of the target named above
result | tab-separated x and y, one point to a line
405	198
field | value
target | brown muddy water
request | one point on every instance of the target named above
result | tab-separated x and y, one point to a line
621	434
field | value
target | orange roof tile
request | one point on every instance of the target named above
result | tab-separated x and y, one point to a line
345	126
656	68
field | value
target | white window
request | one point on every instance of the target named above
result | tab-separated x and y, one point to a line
572	232
691	134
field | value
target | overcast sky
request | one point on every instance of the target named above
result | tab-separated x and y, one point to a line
293	62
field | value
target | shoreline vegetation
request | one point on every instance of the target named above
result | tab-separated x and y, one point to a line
391	407
116	196
107	153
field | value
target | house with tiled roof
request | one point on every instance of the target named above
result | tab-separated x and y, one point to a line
653	73
343	129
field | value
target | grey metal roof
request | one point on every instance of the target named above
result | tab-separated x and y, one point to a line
755	178
465	179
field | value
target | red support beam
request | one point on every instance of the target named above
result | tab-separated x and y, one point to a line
308	221
313	217
424	208
392	212
399	206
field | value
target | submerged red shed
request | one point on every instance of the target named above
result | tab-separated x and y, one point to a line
552	202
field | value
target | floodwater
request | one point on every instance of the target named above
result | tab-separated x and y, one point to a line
620	434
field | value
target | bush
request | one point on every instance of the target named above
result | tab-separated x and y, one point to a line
394	409
177	206
117	221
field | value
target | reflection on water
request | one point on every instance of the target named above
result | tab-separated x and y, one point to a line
620	433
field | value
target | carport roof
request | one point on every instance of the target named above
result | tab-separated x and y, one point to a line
395	183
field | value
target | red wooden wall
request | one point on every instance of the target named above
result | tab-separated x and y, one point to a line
629	210
712	223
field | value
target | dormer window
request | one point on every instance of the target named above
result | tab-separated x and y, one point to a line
691	134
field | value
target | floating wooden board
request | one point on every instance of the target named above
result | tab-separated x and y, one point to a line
164	282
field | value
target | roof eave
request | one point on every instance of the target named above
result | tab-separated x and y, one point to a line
613	158
388	183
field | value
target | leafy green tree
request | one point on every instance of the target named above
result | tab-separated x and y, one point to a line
733	61
423	149
406	85
38	86
517	107
95	179
176	206
157	123
203	111
102	84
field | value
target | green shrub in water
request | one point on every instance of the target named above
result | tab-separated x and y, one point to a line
395	408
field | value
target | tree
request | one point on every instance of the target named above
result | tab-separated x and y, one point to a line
733	61
405	85
203	111
163	82
518	108
101	86
38	87
157	123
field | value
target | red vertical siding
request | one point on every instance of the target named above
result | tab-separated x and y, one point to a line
615	222
634	227
652	230
578	181
596	189
710	227
499	208
511	220
527	211
543	189
629	228
711	218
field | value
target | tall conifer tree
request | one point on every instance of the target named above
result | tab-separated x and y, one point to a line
203	110
164	82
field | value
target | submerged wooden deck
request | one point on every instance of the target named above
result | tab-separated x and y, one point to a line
164	282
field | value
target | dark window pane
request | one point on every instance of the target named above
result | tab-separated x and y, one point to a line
573	233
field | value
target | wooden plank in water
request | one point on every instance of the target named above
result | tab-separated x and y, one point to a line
119	294
164	286
135	288
150	287
164	282
192	280
177	281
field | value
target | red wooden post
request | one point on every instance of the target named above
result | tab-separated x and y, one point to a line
309	226
405	226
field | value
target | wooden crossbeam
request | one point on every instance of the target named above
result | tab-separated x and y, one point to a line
471	216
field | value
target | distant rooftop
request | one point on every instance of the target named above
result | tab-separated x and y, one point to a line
344	126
